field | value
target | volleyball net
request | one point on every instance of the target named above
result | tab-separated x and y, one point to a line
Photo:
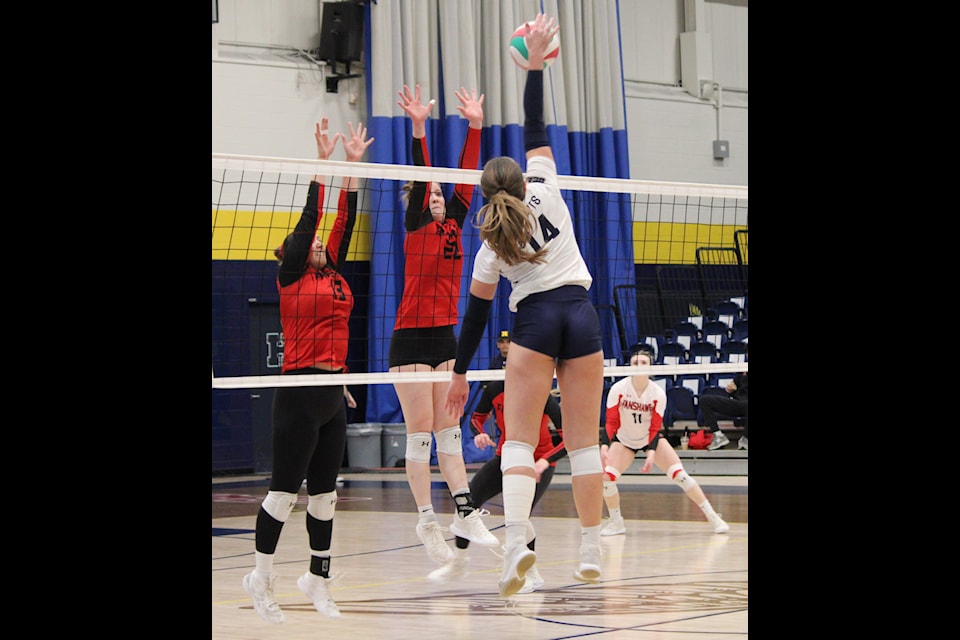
632	234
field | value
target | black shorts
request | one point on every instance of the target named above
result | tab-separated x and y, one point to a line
428	345
561	323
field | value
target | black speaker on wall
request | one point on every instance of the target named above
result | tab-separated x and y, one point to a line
341	32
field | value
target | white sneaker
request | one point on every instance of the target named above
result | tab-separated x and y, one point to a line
720	440
742	444
456	568
315	588
719	526
264	602
615	527
534	581
589	570
473	529
431	535
516	562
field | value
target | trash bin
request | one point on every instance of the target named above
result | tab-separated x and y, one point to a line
363	445
393	445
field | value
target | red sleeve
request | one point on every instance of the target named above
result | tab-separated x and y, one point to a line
656	421
339	239
556	453
463	193
476	422
613	420
470	155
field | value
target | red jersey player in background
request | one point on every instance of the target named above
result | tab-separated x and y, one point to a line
309	422
487	482
635	407
423	338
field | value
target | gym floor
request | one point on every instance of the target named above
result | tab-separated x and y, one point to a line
668	577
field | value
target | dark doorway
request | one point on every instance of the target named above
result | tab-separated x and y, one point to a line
266	357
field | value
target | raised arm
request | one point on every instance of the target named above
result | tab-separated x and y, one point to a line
471	108
418	202
340	235
296	248
539	35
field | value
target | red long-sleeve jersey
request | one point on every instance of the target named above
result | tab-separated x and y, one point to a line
433	251
548	447
315	305
637	416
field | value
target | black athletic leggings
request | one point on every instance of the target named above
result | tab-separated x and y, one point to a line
713	407
488	482
309	435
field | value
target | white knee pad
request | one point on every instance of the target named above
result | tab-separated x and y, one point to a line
279	504
609	488
516	454
678	475
610	483
585	461
418	447
322	505
450	441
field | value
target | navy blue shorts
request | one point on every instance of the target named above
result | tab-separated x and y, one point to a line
428	345
561	323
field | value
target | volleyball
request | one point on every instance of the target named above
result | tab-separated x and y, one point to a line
518	48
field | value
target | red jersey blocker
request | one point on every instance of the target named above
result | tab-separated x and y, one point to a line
433	251
310	423
488	481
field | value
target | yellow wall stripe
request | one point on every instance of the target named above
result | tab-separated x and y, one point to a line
246	235
677	242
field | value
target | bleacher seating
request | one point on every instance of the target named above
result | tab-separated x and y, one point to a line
684	303
704	353
733	351
740	331
681	405
696	382
672	353
686	333
716	332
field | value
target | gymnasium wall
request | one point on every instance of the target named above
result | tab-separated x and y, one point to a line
265	101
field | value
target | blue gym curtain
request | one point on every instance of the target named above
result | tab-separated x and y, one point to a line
443	45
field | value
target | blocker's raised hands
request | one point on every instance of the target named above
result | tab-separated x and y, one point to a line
411	103
356	145
325	145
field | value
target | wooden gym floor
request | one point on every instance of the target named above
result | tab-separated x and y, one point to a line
670	577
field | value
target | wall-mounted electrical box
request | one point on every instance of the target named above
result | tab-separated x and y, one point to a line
721	149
